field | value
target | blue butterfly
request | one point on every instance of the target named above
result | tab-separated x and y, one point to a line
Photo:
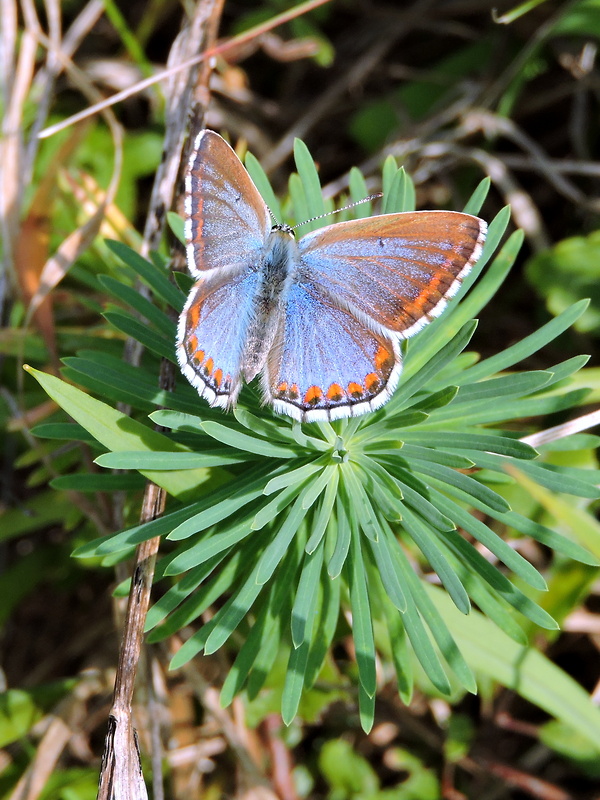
320	319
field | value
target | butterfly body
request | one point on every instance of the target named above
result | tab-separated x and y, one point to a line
320	319
275	276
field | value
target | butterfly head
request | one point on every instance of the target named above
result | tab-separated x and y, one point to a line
284	229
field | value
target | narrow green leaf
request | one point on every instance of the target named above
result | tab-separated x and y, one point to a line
317	486
358	191
158	281
415	451
137	301
294	682
467	554
111	384
566	368
190	648
517	384
366	709
463	482
117	431
425	540
169	461
321	518
209	546
177	225
304	608
477	199
388	574
179	592
279	545
232	571
274	429
493	605
98	482
513	560
363	510
416	495
290	477
401	194
310	178
461	440
343	535
418	637
227	618
219	510
233	438
399	652
275	506
279	611
526	347
153	341
390	168
547	536
262	183
324	630
362	624
424	650
432	367
431	401
299	203
382	487
559	480
244	661
69	431
484	413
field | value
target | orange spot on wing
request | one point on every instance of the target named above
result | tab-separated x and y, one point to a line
208	367
355	390
335	392
294	392
372	382
281	389
194	314
192	344
218	377
383	360
313	395
199	356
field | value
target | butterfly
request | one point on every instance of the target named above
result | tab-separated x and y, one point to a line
321	319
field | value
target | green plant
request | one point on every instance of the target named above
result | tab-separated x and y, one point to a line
293	523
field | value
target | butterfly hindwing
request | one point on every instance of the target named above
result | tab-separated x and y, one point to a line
227	221
396	270
212	333
325	364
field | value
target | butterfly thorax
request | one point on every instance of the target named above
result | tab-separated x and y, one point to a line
276	273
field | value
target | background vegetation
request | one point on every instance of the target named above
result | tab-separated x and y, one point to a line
455	94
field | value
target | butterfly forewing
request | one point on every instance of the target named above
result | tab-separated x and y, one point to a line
397	270
227	221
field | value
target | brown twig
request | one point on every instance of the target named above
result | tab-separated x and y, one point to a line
121	775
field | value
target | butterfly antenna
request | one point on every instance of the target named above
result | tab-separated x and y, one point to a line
337	210
273	217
